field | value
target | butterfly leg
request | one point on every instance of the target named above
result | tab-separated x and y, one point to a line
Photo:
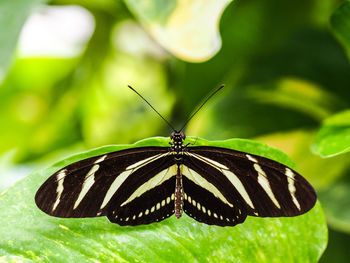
190	143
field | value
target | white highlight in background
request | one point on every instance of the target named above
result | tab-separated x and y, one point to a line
56	31
131	38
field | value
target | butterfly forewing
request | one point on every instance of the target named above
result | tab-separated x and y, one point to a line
266	188
86	188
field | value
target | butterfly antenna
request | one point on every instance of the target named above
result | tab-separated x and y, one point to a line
211	95
171	126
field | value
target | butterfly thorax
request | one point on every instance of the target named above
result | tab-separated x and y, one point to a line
177	147
176	143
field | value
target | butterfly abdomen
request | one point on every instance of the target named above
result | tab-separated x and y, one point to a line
178	194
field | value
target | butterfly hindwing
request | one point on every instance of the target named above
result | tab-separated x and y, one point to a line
206	196
154	205
267	188
205	207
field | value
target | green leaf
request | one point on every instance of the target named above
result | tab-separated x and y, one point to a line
340	22
334	136
13	14
188	29
29	234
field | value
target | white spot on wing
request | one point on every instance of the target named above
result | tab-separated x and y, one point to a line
291	187
60	179
251	158
264	182
100	159
88	183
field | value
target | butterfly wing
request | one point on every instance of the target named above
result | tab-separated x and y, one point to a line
110	184
154	205
204	200
252	184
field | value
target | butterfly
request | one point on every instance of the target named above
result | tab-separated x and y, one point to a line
213	185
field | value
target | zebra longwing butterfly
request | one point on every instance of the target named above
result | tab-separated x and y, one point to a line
213	185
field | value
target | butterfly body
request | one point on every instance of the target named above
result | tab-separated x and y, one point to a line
177	148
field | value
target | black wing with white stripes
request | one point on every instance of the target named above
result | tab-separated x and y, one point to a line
137	186
252	185
127	186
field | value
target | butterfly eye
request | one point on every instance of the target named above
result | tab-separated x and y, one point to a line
183	136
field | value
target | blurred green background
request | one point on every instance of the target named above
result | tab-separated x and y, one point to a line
65	66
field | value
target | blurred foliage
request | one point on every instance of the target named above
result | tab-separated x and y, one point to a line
305	235
334	135
285	65
13	14
340	22
178	27
338	248
335	199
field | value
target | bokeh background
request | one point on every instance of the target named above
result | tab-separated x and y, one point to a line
65	66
